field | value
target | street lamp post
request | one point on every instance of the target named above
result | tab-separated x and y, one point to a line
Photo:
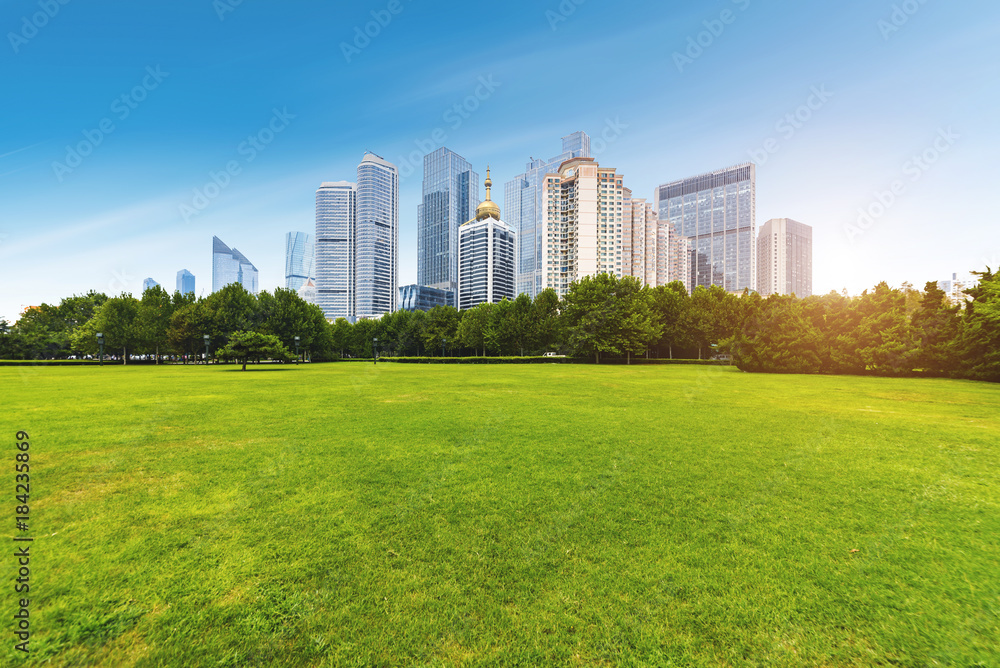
374	351
100	343
297	339
207	338
444	342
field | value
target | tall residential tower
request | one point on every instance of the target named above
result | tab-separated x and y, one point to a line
357	243
525	207
784	258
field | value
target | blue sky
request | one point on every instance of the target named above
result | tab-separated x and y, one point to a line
898	80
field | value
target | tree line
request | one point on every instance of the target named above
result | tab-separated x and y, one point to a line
885	331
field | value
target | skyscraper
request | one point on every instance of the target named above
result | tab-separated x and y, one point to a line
582	223
450	195
299	255
422	298
148	283
784	258
357	243
377	247
185	282
231	266
717	211
486	249
336	216
525	210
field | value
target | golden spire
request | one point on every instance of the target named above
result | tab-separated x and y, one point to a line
489	208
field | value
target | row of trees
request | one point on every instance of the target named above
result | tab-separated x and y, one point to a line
158	324
885	331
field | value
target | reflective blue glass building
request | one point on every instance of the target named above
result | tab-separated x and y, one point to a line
524	211
450	196
231	266
298	259
185	282
718	213
423	298
148	283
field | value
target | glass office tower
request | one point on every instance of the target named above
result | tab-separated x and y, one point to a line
377	246
185	282
149	283
299	254
486	250
231	266
450	196
524	211
718	212
423	298
336	212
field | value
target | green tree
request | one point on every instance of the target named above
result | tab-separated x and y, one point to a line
189	324
286	315
441	327
979	340
472	329
233	310
672	304
778	338
606	314
244	346
545	321
153	320
116	319
936	327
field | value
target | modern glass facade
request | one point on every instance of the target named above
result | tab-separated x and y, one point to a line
525	211
336	212
148	283
423	298
357	243
377	247
299	259
231	266
717	211
486	263
784	258
450	196
185	282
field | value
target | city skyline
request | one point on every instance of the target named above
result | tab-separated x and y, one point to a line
838	117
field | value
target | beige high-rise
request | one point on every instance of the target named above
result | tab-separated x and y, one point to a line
583	221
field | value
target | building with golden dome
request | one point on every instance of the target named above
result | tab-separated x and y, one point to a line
486	256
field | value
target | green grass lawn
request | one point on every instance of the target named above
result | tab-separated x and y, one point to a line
505	515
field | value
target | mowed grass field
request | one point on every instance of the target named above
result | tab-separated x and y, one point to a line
504	515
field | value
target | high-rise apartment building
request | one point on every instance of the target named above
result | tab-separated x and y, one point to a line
357	243
652	250
679	257
185	282
486	250
377	247
525	210
336	215
299	259
231	266
717	211
450	196
784	258
148	283
583	223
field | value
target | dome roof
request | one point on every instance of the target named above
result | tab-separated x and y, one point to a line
489	208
